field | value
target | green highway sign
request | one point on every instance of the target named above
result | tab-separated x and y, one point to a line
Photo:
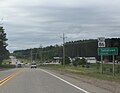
108	51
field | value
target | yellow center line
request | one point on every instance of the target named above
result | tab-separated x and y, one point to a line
3	81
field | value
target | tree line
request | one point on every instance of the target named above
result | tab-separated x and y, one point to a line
80	48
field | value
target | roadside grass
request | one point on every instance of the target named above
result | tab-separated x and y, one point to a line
95	73
6	65
7	61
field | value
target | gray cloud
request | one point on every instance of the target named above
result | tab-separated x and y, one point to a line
43	22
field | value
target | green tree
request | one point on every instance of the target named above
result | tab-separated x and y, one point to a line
76	62
4	53
67	60
80	48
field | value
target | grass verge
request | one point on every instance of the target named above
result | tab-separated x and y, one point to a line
83	71
6	65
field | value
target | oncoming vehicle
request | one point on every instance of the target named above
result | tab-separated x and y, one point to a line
19	66
33	65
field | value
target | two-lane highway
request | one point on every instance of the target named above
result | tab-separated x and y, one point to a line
43	81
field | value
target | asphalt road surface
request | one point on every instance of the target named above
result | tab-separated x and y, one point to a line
28	80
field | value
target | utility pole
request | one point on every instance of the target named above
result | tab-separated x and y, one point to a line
31	56
63	48
40	53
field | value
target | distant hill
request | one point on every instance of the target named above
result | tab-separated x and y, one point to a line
81	48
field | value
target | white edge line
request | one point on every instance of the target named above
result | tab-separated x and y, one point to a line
65	81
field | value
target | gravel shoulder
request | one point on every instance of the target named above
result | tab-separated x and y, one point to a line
113	87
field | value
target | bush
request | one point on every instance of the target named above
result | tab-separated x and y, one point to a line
79	62
82	62
87	66
75	63
67	61
83	65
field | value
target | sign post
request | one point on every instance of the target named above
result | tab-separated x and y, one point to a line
101	43
113	65
109	51
101	64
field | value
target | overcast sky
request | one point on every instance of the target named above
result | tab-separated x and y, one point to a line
29	23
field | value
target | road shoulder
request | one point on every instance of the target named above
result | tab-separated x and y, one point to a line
112	87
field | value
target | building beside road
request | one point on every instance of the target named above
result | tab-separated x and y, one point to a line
88	59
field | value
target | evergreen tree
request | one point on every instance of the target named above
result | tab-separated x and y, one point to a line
4	53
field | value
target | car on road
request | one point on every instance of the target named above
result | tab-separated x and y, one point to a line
33	65
19	66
